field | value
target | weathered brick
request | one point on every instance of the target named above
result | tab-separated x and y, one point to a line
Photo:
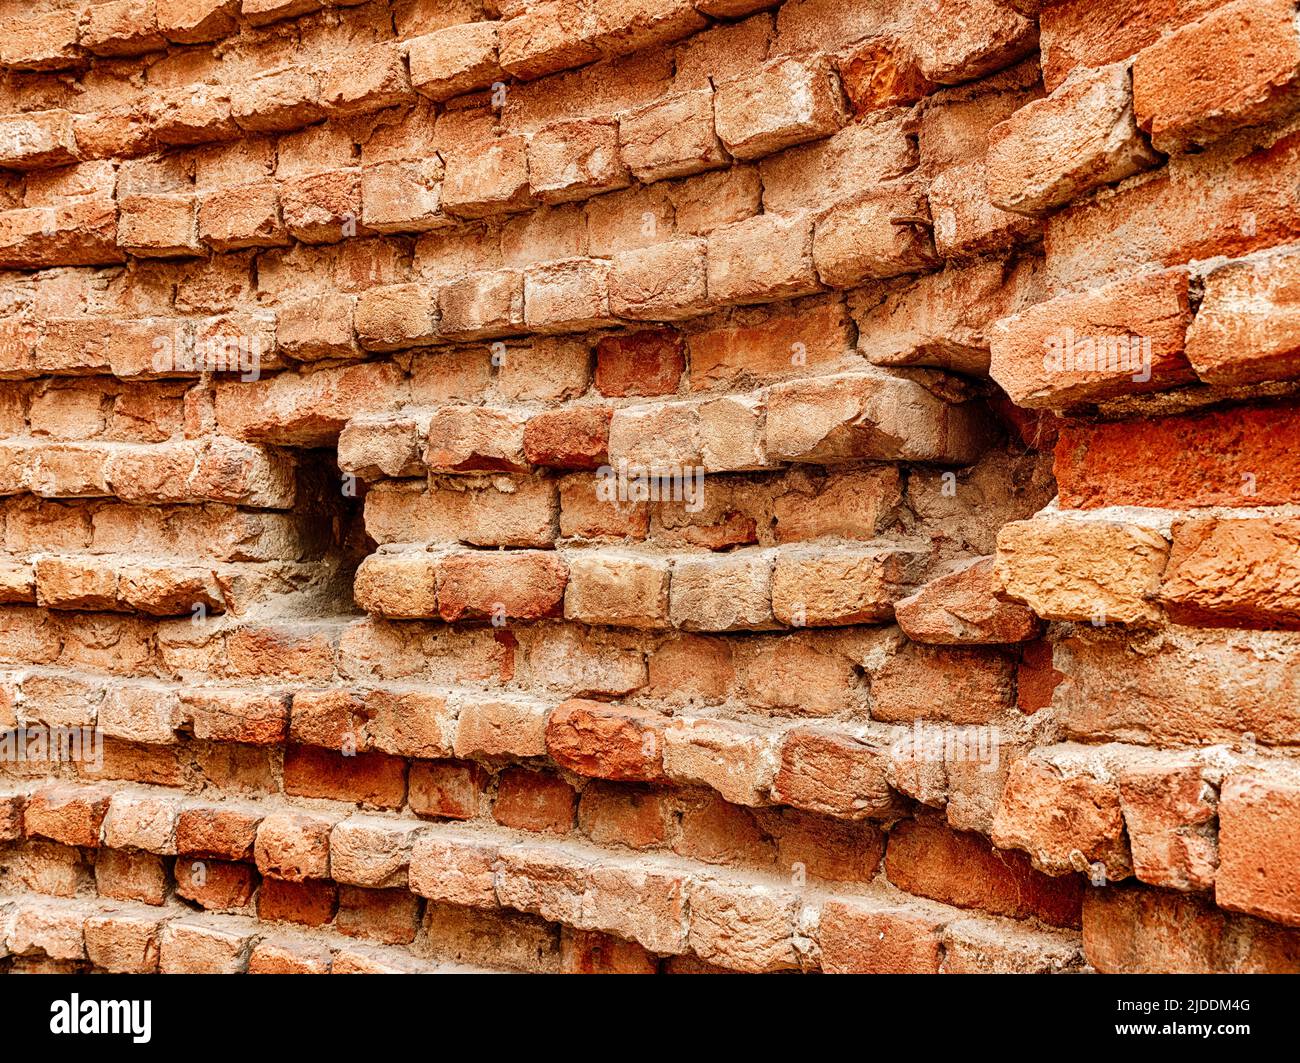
877	236
866	938
1237	456
786	102
1241	60
534	801
1079	138
765	258
606	741
621	590
832	773
521	585
37	139
1240	572
1065	819
930	860
849	417
1071	569
567	296
1257	872
1244	329
962	607
454	60
574	160
673	137
1130	931
1123	338
493	179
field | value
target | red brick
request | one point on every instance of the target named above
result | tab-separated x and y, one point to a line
127	876
293	846
783	103
1079	138
1169	807
214	884
308	903
1129	931
387	916
501	586
367	778
962	608
1065	821
1036	679
1236	456
572	438
606	741
640	363
446	789
1122	339
869	939
832	774
1245	330
931	860
535	801
1230	200
224	832
1181	691
1238	572
72	815
964	686
1258	872
633	816
1093	32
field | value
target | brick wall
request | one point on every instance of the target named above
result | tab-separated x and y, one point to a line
650	485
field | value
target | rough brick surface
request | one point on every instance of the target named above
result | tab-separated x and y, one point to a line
650	485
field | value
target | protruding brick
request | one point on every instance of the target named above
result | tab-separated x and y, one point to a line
962	608
457	59
36	139
574	160
1124	338
1065	819
672	137
786	102
398	585
519	585
1235	66
1057	149
1071	569
1258	873
884	233
850	417
1239	572
1246	329
607	741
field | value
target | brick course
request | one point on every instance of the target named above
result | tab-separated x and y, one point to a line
650	486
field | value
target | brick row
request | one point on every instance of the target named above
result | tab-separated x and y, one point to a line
1223	570
1140	334
124	938
214	470
150	586
747	589
375	858
826	420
